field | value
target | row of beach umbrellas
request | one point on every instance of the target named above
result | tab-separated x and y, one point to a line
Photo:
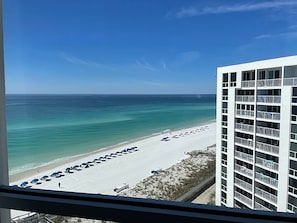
57	174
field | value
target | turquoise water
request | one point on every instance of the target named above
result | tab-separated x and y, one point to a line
45	128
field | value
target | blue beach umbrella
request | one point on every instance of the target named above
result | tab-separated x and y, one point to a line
25	183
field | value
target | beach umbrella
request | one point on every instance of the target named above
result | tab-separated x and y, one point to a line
25	183
35	180
44	177
54	174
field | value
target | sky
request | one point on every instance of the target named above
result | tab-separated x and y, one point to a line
138	47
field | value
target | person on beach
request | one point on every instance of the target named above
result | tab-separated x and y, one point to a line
59	185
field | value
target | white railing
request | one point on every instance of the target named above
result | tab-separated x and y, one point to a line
267	147
269	82
248	83
224	149
294	136
224	110
225	97
224	136
224	123
245	113
292	207
293	154
267	163
225	84
243	198
269	99
244	127
266	179
224	175
261	207
223	187
243	170
290	81
246	142
266	195
244	156
224	162
294	118
268	131
268	115
243	184
233	84
245	98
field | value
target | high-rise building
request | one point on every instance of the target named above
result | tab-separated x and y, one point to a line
257	135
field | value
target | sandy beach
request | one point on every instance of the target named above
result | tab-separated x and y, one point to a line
153	153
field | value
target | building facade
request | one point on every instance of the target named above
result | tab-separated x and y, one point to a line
256	161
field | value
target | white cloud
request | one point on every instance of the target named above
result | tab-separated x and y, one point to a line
277	35
222	9
143	64
188	56
79	61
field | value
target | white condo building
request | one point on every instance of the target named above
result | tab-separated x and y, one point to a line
256	165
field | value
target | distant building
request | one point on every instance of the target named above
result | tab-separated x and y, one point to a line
257	135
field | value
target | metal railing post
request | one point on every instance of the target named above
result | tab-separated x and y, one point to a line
4	213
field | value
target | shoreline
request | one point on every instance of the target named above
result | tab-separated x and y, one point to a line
64	160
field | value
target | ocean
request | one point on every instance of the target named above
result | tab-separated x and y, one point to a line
47	128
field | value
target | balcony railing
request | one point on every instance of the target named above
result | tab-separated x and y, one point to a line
244	127
224	149
243	170
267	163
269	82
224	123
224	136
261	207
224	110
245	113
268	115
269	99
244	156
267	147
243	184
225	84
245	142
268	131
264	194
243	198
266	179
225	97
233	84
290	81
245	98
248	83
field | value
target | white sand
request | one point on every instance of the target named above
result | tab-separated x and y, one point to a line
129	168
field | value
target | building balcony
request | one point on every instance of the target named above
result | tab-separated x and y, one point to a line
290	81
250	83
269	83
267	163
269	99
244	127
268	115
244	156
245	113
268	180
245	98
245	142
267	148
243	198
292	208
243	184
266	195
225	97
224	123
224	149
267	131
261	207
224	110
243	170
225	84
